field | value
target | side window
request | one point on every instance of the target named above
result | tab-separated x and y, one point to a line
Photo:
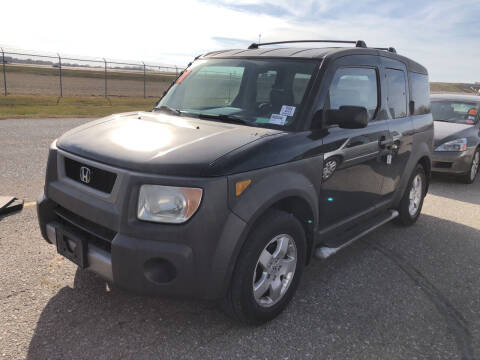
354	87
396	93
420	94
265	82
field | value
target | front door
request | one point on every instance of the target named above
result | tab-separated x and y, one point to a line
354	167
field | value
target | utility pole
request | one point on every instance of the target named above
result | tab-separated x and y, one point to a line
105	63
144	81
4	72
60	74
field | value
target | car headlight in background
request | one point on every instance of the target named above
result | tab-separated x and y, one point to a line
454	145
167	204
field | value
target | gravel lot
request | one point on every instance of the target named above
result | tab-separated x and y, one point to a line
399	293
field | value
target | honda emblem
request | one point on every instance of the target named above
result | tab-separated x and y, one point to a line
85	174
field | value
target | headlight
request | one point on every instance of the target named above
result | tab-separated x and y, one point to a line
167	204
454	145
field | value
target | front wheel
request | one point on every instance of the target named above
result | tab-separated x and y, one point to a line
471	175
412	200
268	269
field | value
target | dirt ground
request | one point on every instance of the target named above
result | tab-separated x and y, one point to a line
33	84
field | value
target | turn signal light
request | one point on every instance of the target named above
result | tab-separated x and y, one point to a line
241	186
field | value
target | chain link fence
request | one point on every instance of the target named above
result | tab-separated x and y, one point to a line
30	73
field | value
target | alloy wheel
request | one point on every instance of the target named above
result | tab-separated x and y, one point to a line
275	270
475	165
415	195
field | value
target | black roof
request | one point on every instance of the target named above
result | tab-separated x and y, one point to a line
314	53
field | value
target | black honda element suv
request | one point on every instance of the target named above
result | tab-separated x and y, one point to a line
253	162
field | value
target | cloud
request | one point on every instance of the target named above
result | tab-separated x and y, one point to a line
439	34
442	35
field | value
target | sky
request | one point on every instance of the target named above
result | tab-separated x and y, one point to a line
442	35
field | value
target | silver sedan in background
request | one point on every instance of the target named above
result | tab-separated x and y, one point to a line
457	135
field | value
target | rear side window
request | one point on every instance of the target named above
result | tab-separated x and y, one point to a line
354	87
396	93
420	94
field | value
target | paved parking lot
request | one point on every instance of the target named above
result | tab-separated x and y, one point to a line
399	293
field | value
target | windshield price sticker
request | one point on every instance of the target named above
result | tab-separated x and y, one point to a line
278	119
287	110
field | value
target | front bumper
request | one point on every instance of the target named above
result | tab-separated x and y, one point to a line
457	163
192	259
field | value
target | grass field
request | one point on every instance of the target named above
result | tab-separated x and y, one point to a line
44	81
443	87
92	73
22	106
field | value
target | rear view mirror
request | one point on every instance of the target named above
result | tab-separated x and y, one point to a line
348	117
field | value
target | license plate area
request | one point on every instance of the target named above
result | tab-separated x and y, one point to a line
72	247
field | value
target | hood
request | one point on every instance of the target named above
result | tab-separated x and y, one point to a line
159	142
445	131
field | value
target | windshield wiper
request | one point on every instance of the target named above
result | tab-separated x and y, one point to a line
226	118
169	109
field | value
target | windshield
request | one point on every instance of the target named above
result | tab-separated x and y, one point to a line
455	111
254	92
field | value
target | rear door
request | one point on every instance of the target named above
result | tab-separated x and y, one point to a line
398	146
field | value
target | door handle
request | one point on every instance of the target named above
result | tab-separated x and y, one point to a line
385	141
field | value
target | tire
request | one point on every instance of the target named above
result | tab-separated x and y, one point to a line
255	268
408	212
471	175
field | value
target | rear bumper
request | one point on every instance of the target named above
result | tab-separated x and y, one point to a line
456	163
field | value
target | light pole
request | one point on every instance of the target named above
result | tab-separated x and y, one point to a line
259	37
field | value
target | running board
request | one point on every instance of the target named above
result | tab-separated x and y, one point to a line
326	252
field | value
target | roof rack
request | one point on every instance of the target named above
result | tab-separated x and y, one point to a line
358	43
389	49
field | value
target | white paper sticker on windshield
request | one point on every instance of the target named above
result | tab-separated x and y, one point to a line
278	119
287	110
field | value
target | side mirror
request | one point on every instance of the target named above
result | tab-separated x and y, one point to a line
348	117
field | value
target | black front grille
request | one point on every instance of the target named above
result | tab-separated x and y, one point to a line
98	179
442	165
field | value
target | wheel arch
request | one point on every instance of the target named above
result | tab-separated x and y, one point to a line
293	202
427	166
294	194
423	152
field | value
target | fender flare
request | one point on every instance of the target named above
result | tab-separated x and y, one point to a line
263	194
420	153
